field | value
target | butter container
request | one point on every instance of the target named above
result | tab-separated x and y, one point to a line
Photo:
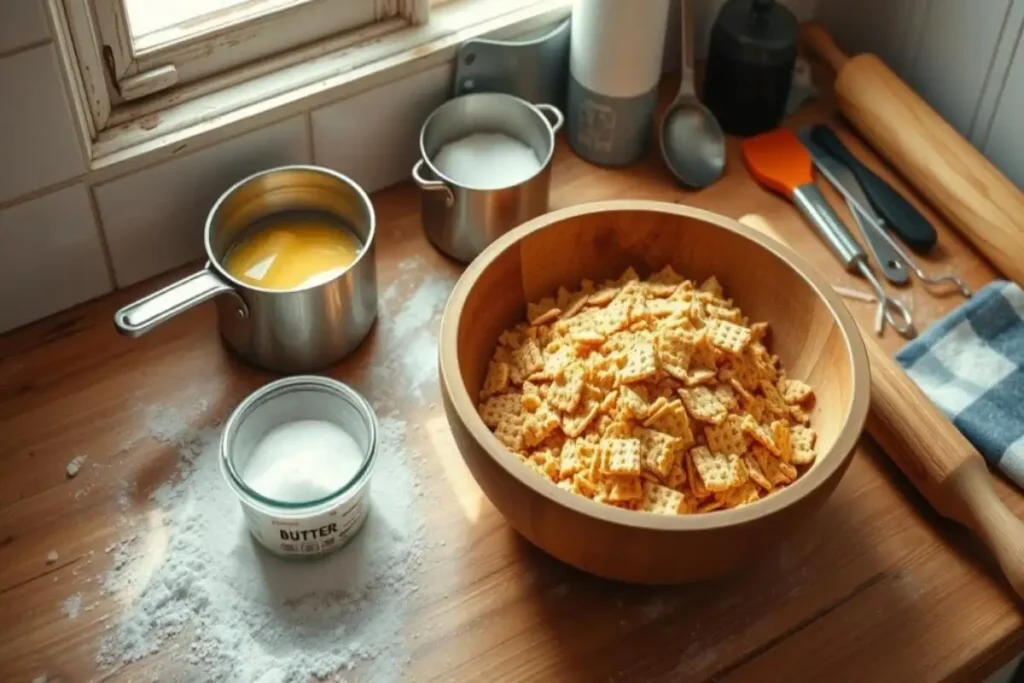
290	525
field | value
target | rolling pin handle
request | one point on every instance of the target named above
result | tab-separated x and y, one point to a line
984	513
819	42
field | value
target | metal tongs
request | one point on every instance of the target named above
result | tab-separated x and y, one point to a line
891	257
850	254
779	161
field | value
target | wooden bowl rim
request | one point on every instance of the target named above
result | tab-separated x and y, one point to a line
465	406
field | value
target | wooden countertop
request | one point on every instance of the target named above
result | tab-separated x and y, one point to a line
876	588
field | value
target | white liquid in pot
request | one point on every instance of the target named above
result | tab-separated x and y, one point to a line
487	161
302	461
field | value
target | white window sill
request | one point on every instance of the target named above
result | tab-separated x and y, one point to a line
274	89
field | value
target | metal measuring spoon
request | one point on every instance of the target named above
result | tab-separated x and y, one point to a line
692	142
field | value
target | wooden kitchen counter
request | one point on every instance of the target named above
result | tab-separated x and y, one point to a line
875	588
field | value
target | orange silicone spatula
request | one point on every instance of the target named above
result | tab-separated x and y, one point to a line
780	162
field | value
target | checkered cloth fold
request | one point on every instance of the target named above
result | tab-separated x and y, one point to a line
971	364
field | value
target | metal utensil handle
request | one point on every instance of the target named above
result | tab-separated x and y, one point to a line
889	261
143	315
828	226
553	115
687	84
899	214
432	185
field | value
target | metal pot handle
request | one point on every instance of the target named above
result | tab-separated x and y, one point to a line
143	315
432	185
553	115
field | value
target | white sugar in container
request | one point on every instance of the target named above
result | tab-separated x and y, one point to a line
299	453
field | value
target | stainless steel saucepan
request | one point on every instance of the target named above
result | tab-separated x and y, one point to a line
460	219
290	331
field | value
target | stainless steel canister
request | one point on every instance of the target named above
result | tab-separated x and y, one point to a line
459	219
295	330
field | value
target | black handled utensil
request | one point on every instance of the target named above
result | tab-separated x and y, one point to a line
900	215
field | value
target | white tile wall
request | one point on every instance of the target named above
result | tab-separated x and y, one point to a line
1005	144
50	256
154	219
22	22
38	138
374	137
955	54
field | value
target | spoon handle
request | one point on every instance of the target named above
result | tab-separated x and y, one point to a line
687	37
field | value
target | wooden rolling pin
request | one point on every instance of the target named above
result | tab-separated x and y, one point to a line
957	179
937	459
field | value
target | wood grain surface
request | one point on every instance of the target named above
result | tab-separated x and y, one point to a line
876	587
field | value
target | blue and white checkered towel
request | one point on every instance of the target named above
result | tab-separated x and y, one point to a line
971	364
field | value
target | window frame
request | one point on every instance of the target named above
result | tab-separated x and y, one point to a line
139	133
117	71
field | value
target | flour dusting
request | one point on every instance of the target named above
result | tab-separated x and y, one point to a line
237	613
412	331
73	605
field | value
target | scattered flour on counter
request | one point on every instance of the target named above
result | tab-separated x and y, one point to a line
238	613
412	332
73	605
74	465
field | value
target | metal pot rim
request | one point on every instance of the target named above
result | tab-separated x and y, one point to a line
519	101
352	185
267	393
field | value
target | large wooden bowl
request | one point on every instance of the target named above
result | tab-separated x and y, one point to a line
812	332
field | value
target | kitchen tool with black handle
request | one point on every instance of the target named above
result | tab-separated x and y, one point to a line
900	215
780	162
888	260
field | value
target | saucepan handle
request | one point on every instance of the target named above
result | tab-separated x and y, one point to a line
553	115
143	315
432	185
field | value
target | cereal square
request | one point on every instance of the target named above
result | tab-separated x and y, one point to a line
671	419
620	457
496	381
794	391
565	392
624	489
803	441
704	405
728	336
718	471
728	437
641	362
497	407
661	500
658	451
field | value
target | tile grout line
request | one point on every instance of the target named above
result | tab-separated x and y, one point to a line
108	260
25	48
990	73
981	137
43	191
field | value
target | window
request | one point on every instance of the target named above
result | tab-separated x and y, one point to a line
135	48
151	74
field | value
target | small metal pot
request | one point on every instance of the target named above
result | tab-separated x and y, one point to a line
288	331
459	219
